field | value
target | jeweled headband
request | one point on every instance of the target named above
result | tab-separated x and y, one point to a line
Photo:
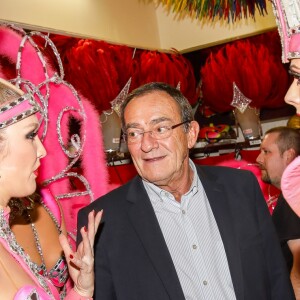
287	15
19	105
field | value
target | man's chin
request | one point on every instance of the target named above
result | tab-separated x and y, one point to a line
157	180
266	180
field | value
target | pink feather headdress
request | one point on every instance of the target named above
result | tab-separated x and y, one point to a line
23	62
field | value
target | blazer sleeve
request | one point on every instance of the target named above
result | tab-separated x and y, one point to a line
104	287
82	220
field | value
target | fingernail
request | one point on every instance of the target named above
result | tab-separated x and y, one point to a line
71	256
85	229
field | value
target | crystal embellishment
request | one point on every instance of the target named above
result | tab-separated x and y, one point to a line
240	101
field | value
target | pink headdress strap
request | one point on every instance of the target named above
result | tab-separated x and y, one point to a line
287	13
18	110
17	105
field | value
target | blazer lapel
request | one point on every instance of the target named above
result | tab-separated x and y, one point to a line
143	219
219	203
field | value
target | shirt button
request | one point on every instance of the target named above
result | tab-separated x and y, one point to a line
183	212
205	282
194	246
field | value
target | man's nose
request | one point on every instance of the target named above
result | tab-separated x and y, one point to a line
148	142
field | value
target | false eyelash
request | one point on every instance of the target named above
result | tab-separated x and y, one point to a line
31	135
296	75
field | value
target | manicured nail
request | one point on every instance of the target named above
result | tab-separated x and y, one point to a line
71	256
85	229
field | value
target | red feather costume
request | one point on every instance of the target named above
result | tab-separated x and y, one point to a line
255	68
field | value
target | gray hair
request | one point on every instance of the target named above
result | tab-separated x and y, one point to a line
183	104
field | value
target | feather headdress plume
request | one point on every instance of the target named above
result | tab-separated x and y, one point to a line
227	10
60	102
255	68
171	68
99	70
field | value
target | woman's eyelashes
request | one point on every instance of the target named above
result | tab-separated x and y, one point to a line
32	134
296	75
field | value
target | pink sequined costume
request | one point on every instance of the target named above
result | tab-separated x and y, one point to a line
35	72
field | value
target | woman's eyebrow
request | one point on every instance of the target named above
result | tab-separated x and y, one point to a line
33	125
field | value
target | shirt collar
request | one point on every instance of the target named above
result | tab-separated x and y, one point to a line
161	193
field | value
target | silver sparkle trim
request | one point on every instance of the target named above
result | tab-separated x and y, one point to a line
117	102
239	100
8	237
22	115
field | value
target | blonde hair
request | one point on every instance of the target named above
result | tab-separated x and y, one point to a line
8	92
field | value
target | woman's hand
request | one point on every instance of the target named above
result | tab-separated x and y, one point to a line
81	262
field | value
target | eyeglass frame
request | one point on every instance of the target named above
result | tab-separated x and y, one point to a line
170	128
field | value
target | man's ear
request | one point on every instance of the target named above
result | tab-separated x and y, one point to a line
193	134
289	155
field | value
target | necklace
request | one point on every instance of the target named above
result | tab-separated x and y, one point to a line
42	268
8	239
59	274
23	208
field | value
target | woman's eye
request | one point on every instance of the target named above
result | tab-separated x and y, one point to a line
294	74
31	135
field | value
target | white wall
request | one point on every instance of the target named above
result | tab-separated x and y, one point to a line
188	34
135	23
127	22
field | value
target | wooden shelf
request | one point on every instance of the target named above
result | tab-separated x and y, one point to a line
217	147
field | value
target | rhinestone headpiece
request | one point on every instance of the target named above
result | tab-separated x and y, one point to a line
18	105
287	14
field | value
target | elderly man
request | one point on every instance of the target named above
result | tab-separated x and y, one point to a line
179	231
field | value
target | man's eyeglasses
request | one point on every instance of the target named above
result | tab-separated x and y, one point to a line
158	132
